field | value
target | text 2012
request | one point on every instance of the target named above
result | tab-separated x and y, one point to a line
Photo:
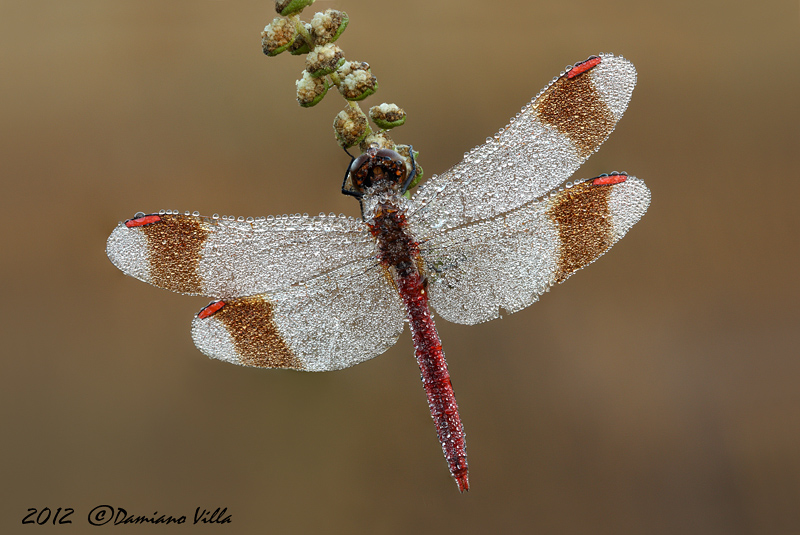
43	516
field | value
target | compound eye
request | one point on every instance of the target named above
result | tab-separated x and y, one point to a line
360	172
358	163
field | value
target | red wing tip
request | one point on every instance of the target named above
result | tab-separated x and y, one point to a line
583	66
142	220
210	309
463	483
610	180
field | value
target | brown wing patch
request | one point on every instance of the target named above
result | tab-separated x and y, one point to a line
174	245
250	322
575	108
585	228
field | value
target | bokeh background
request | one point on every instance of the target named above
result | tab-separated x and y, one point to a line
655	392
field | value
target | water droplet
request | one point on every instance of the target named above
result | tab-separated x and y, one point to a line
215	216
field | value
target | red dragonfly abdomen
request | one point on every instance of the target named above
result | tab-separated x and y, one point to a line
435	377
399	253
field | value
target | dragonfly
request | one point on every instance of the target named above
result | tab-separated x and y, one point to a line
483	239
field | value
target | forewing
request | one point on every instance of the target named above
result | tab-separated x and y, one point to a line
331	322
538	150
505	263
230	258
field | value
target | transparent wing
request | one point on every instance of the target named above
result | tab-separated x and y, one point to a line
537	151
331	322
505	263
231	258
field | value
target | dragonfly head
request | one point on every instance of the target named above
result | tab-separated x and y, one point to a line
378	169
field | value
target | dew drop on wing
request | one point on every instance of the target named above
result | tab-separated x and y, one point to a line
137	215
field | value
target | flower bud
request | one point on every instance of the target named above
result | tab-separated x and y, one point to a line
328	26
324	60
310	90
350	127
387	116
287	7
356	80
279	35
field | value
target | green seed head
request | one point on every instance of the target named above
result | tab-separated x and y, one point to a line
279	35
356	80
405	151
387	116
350	127
310	90
381	140
328	26
287	7
324	59
300	46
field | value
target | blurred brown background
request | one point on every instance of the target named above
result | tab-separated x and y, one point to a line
655	392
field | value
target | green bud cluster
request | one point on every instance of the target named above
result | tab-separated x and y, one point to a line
326	66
